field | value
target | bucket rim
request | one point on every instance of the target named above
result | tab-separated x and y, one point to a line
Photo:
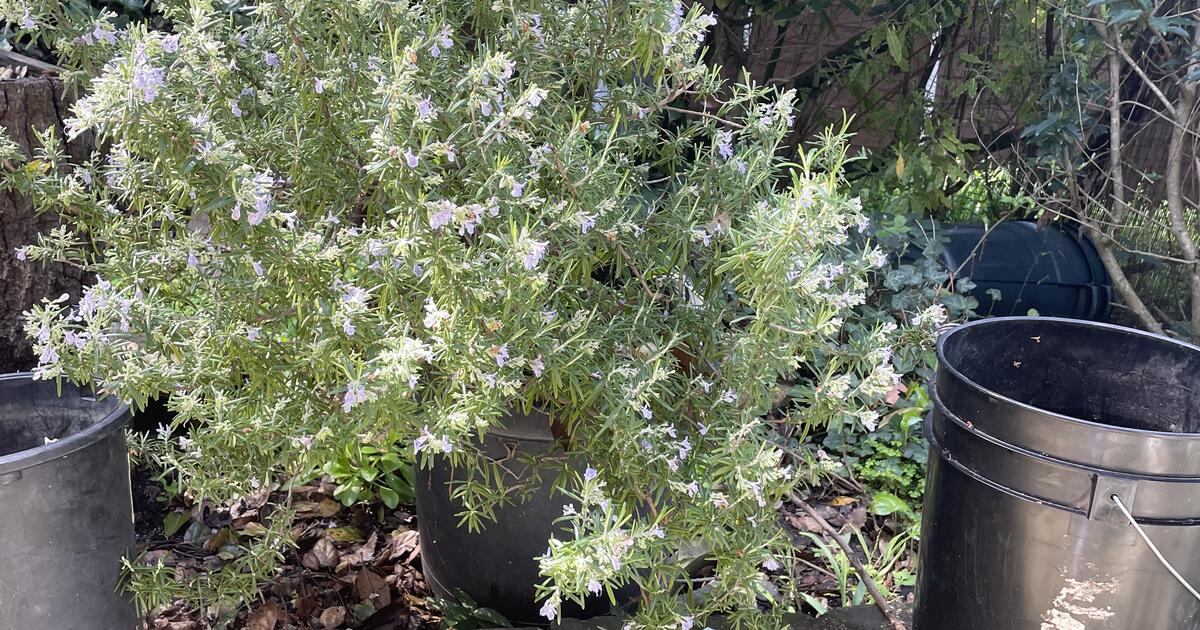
1083	323
30	457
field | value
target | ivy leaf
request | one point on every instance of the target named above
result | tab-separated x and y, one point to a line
885	503
390	498
174	522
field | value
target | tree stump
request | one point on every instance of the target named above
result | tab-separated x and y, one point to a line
26	104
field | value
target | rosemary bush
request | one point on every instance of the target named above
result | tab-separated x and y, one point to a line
328	222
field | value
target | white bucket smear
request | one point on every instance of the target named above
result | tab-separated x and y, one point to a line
1075	605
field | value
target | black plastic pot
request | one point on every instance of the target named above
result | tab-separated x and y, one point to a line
496	566
66	516
1038	424
1053	269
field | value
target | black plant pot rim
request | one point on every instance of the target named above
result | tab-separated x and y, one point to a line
946	365
30	457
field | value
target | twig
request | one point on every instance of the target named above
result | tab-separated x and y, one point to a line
10	57
872	588
692	112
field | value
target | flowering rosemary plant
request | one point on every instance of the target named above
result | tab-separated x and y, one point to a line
322	222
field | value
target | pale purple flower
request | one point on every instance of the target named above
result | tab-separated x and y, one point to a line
805	200
501	355
705	385
43	334
319	86
490	379
146	78
703	429
355	394
647	413
537	249
549	610
103	34
262	206
863	224
21	253
410	158
192	261
444	39
240	38
27	21
725	144
741	166
485	107
549	314
646	445
593	586
423	441
348	328
236	213
425	109
75	340
170	43
729	397
670	430
253	332
535	96
443	216
434	316
353	296
537	366
417	270
657	532
587	222
271	59
49	356
673	464
234	109
686	623
692	488
589	474
771	564
676	20
518	188
685	447
451	154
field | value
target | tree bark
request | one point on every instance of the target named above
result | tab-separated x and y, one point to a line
26	104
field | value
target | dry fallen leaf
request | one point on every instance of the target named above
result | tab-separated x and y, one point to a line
360	556
264	618
322	556
317	509
333	617
840	501
372	589
406	546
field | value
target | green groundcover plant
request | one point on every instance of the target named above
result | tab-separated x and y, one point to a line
322	222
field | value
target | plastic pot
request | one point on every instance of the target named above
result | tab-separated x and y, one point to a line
496	567
1039	426
1052	269
66	513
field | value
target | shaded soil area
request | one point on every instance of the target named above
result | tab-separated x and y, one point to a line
350	567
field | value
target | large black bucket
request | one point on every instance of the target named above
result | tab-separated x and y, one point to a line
1038	425
1053	269
66	517
496	567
